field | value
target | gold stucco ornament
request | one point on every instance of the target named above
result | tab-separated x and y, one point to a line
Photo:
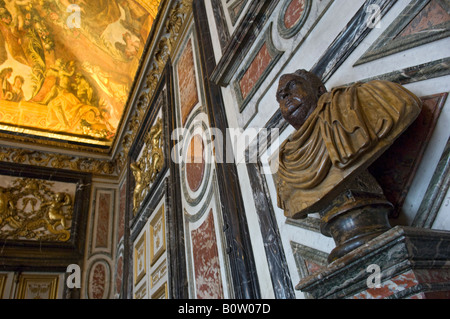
32	210
146	169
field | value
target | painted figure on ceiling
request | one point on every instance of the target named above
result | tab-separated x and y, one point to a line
6	87
104	54
17	91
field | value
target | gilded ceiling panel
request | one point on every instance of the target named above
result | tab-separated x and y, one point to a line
67	67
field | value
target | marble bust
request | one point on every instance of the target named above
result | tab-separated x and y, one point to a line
338	135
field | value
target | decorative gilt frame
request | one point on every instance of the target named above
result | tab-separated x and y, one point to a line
161	292
141	292
161	101
158	217
25	279
158	274
142	242
57	254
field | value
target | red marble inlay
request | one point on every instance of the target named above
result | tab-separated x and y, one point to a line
294	12
98	281
430	16
104	205
389	287
187	83
208	281
312	266
255	71
195	163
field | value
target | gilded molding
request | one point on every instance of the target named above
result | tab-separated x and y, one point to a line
163	50
58	161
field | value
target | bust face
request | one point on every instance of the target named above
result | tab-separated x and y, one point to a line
297	99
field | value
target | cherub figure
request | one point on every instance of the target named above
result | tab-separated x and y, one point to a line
140	184
63	71
55	211
7	209
156	155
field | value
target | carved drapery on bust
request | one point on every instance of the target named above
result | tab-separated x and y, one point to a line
339	134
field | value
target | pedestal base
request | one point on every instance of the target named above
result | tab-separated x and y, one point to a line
353	219
414	263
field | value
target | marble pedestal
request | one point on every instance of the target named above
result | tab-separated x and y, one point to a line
413	263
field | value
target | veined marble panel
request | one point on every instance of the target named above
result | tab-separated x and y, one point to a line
187	81
208	280
99	280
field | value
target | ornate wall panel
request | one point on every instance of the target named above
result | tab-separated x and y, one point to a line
262	56
207	263
118	273
140	257
149	155
208	281
99	282
209	271
153	275
150	255
292	16
243	282
263	59
187	82
101	252
420	23
102	237
44	209
34	209
406	164
39	286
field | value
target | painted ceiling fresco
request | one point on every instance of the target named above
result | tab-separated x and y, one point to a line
67	66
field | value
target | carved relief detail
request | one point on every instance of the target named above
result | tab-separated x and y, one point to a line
163	49
31	209
58	161
146	169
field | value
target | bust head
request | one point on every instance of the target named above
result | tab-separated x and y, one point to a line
298	94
